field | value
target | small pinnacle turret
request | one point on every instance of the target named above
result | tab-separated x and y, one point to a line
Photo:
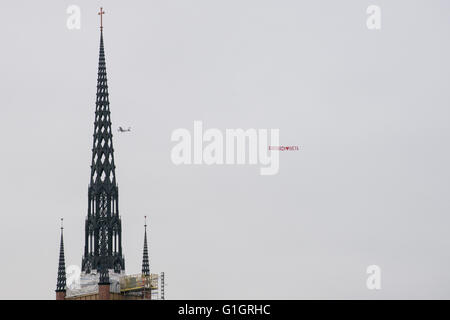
61	281
145	262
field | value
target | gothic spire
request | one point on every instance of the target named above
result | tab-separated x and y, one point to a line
145	263
103	221
61	281
103	174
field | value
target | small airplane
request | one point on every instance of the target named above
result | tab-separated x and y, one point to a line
124	130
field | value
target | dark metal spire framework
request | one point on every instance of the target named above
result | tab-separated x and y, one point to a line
103	221
61	281
103	268
145	263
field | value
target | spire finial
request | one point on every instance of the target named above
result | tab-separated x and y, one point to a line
62	226
145	223
101	13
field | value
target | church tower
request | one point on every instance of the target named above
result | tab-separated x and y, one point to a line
102	274
103	222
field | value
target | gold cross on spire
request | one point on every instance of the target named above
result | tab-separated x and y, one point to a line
101	13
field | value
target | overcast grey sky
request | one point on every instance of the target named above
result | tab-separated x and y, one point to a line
369	109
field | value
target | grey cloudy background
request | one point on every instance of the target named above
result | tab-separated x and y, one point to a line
369	109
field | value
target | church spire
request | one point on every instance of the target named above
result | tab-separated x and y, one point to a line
61	281
103	169
103	220
145	263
